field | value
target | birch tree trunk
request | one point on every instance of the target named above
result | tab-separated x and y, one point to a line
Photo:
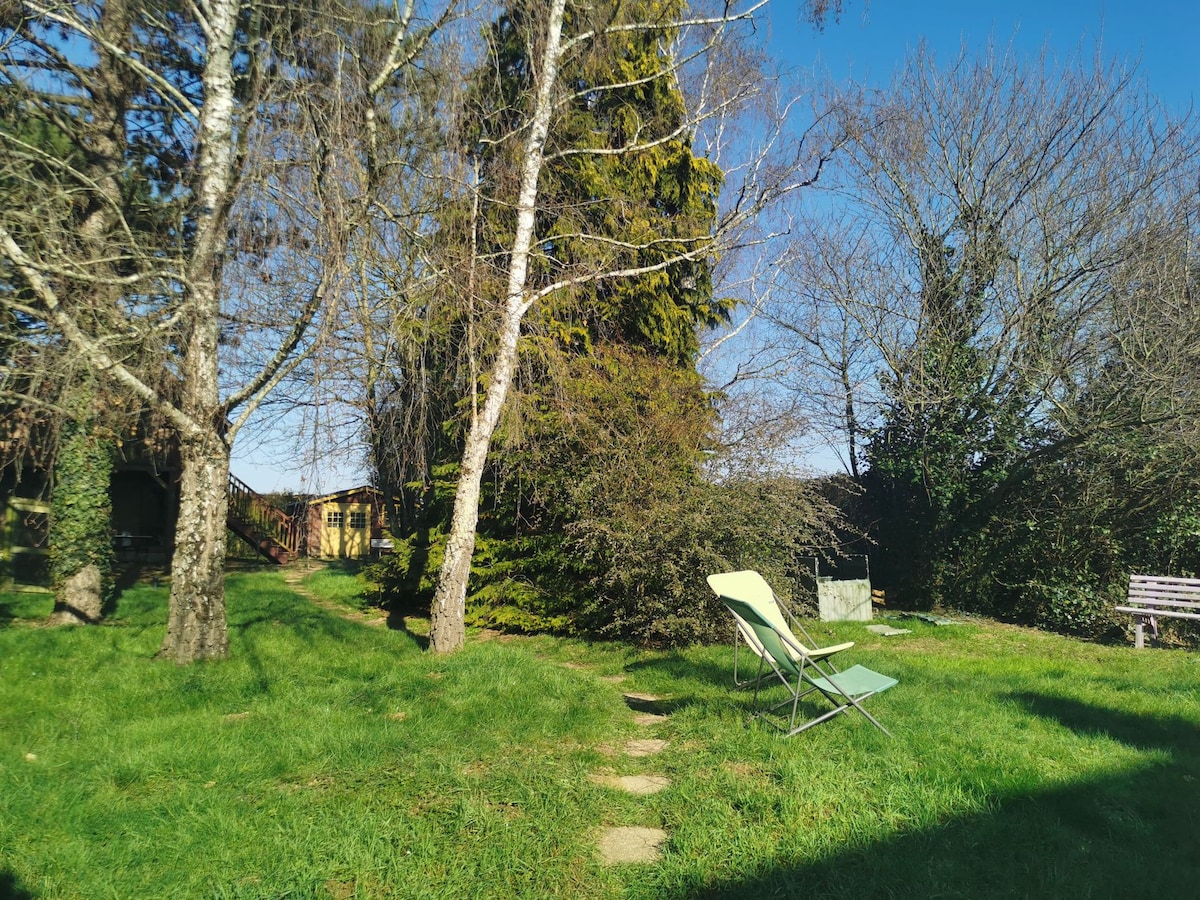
220	159
448	628
196	624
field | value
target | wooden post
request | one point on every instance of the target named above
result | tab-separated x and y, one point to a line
1138	636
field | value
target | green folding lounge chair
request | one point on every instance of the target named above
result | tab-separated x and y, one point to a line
802	670
753	588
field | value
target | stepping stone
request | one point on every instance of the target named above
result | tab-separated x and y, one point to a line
613	679
634	784
888	630
644	747
649	718
937	620
630	844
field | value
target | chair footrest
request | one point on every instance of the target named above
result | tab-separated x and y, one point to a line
855	682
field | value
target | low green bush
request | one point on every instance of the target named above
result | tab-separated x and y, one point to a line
1080	608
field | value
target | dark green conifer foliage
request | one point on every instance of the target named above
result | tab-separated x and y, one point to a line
600	443
604	210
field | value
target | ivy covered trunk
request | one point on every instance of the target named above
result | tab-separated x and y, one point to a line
81	525
196	624
81	509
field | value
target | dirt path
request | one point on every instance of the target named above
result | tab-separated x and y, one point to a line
295	580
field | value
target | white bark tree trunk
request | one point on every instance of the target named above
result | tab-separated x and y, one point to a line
221	127
196	622
447	628
196	626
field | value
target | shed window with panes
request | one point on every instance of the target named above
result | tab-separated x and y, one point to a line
358	519
334	519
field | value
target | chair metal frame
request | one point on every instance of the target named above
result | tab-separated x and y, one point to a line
803	671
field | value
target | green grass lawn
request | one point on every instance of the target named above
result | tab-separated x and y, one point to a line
333	759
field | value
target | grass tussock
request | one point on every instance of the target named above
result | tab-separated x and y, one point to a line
327	758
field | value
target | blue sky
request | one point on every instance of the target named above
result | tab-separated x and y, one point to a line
872	39
868	44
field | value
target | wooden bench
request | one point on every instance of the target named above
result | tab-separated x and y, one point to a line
1154	596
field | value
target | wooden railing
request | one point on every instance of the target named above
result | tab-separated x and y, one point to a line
257	512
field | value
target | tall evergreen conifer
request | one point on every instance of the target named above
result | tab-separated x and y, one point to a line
625	218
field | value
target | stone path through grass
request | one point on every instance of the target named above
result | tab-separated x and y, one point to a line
635	844
630	844
616	844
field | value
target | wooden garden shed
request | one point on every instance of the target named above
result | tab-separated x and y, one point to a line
347	524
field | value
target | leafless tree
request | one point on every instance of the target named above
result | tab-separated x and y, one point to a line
227	303
1015	191
43	256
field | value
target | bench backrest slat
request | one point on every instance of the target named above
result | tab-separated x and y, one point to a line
1164	590
1155	601
1156	596
1163	580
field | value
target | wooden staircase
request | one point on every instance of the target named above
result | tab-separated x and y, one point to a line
265	527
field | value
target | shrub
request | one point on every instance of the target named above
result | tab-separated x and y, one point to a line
597	519
1080	607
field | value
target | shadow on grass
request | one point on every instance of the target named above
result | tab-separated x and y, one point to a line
10	888
346	566
398	620
281	606
403	607
308	623
24	608
399	609
658	706
127	575
8	611
265	623
1128	835
682	668
714	678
